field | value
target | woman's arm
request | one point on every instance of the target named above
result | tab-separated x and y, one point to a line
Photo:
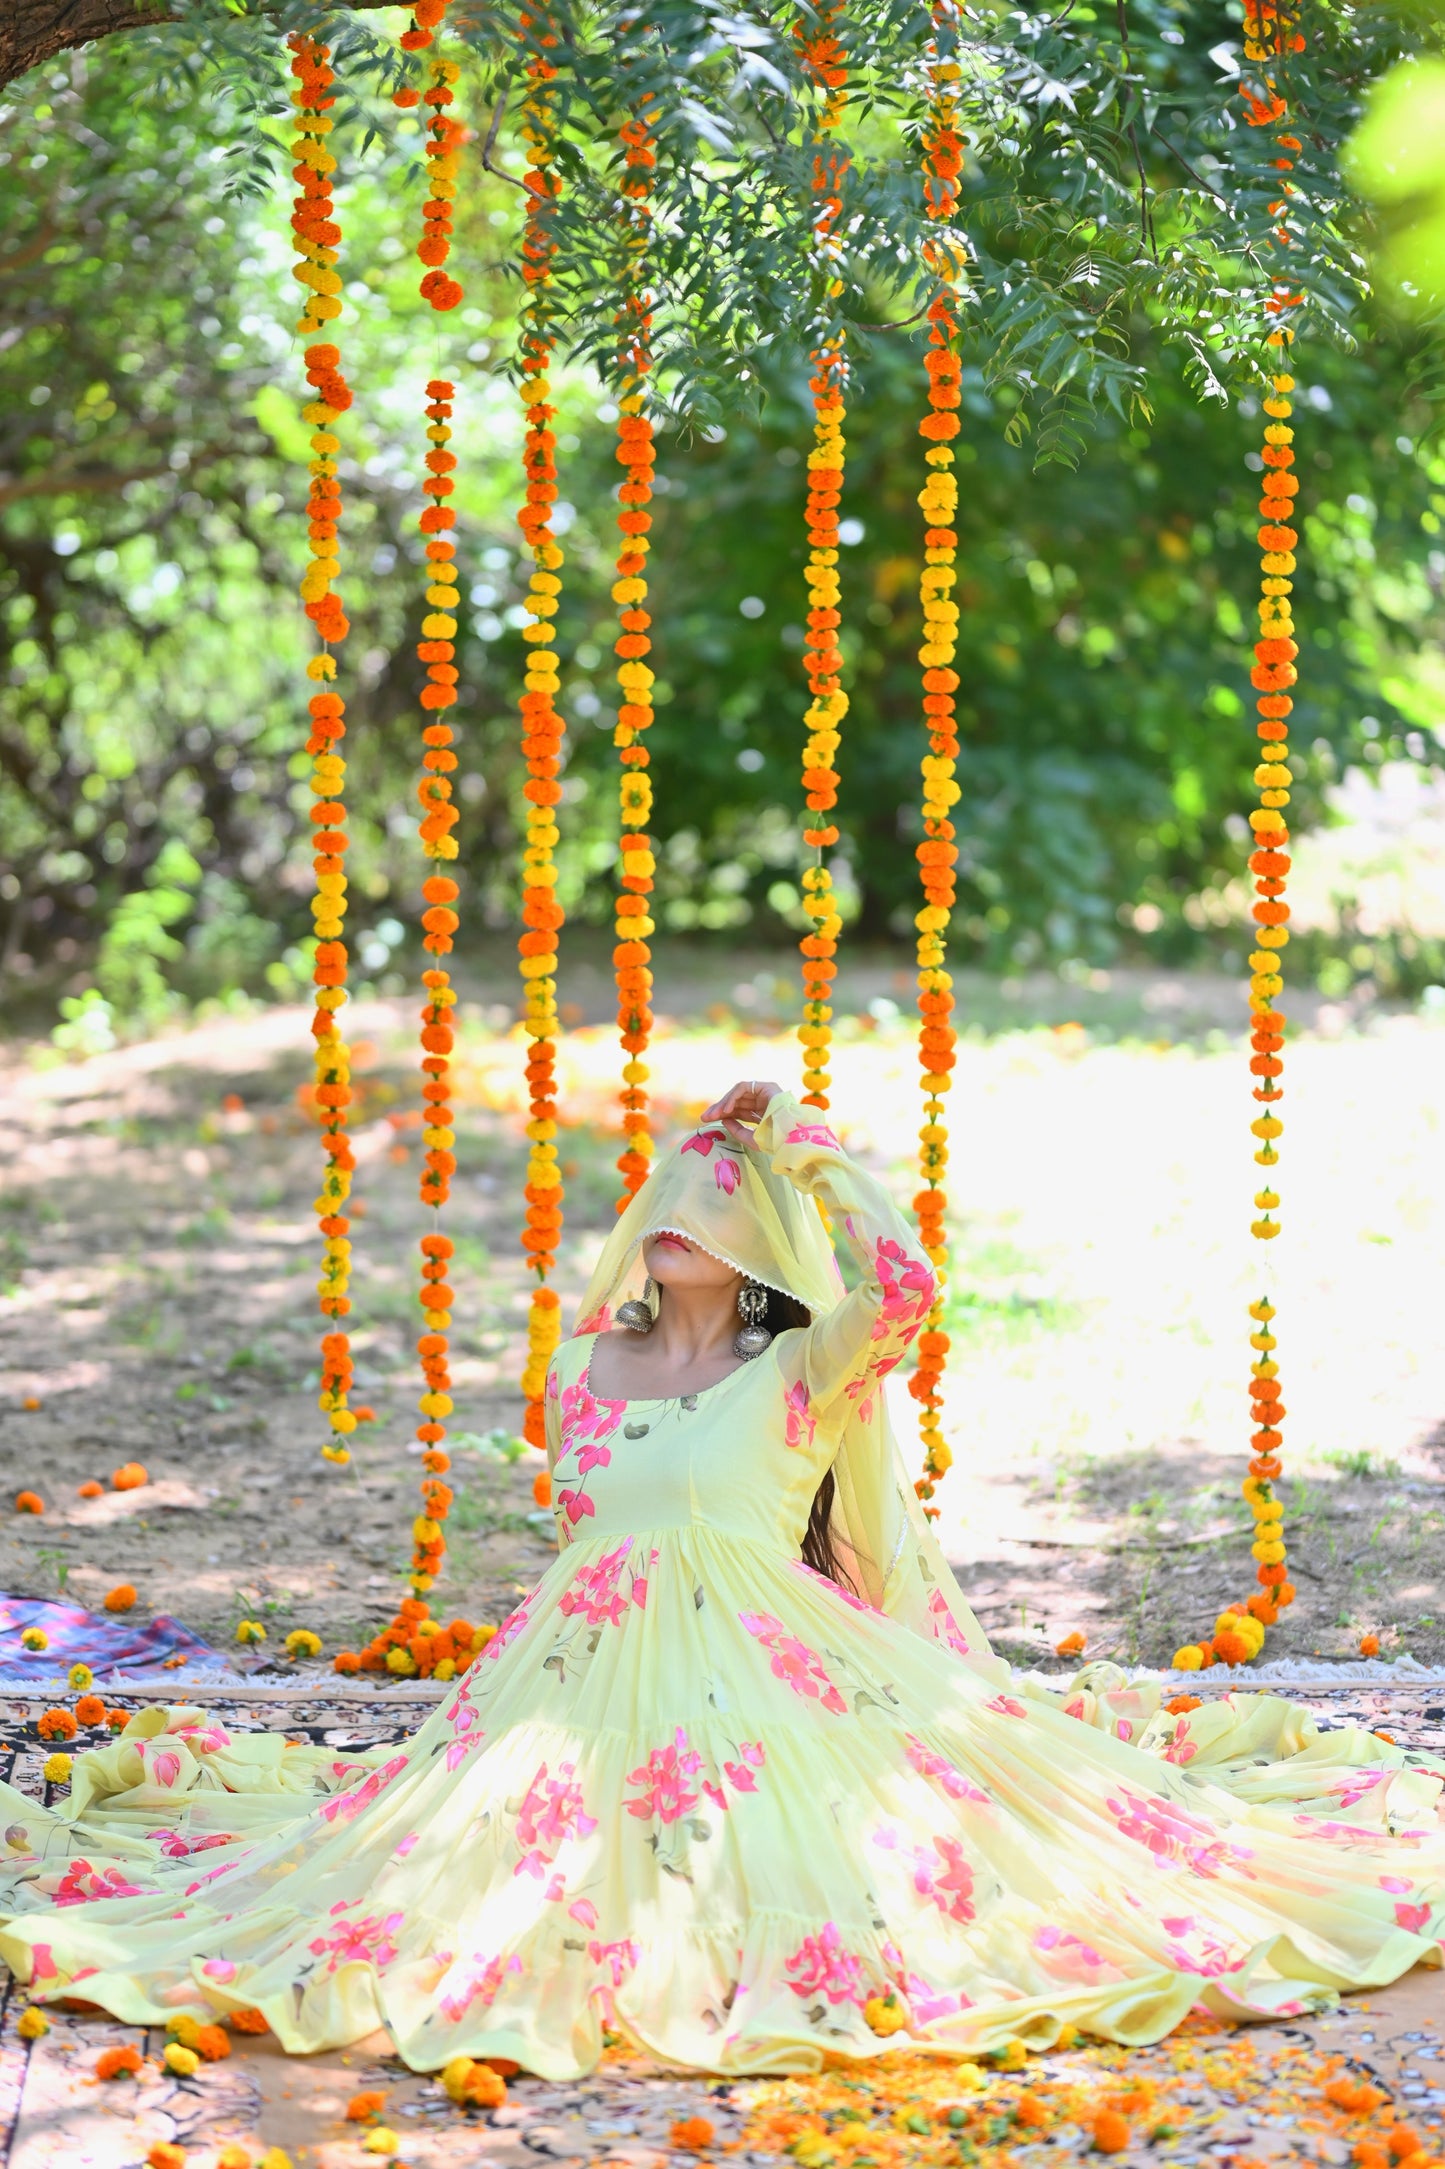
845	1354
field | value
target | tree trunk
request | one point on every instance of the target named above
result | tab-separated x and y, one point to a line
34	31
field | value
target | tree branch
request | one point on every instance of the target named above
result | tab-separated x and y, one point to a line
34	31
491	143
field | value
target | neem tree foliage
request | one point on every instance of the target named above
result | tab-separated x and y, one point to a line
1108	170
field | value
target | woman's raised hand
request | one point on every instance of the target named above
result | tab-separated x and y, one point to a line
741	1106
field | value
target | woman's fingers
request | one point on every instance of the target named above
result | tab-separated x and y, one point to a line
744	1103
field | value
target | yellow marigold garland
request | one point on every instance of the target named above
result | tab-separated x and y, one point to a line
937	853
1270	32
632	958
825	64
316	237
541	734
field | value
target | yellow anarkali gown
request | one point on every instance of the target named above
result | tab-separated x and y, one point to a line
699	1794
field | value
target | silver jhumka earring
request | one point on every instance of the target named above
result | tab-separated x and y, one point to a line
753	1336
638	1314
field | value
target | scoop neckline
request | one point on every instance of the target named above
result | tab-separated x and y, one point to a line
657	1400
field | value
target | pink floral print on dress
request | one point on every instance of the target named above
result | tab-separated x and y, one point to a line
938	1767
834	1589
343	1805
473	1980
369	1940
595	1594
176	1847
664	1779
800	1423
1067	1957
824	1966
940	1872
945	1626
1174	1836
813	1133
908	1289
552	1811
82	1883
793	1662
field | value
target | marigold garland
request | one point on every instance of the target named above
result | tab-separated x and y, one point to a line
541	732
439	923
1270	33
316	241
632	958
825	65
937	853
412	1632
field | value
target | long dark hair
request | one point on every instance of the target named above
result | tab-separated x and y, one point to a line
817	1548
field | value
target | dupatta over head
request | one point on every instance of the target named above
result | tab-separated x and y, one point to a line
732	1200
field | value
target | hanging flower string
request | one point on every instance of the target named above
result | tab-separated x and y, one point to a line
825	65
437	650
1271	33
413	1644
945	261
317	236
541	733
632	958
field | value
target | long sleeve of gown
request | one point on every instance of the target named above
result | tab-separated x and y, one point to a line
842	1357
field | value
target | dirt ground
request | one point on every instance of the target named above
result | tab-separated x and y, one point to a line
157	1255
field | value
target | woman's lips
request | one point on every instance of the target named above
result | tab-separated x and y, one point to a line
673	1242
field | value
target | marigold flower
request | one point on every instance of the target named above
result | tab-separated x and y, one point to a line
90	1710
474	2085
362	2106
249	2020
32	2023
1072	1645
35	1638
1110	2131
694	2134
90	1490
182	2060
165	2154
29	1502
117	1719
250	1630
56	1769
301	1642
121	1598
381	2139
118	2063
1369	1645
213	2043
79	1677
130	1476
883	2015
56	1725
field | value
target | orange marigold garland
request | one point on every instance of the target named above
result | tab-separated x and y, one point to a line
413	1643
316	237
632	958
439	923
437	650
1270	33
825	65
937	854
541	735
